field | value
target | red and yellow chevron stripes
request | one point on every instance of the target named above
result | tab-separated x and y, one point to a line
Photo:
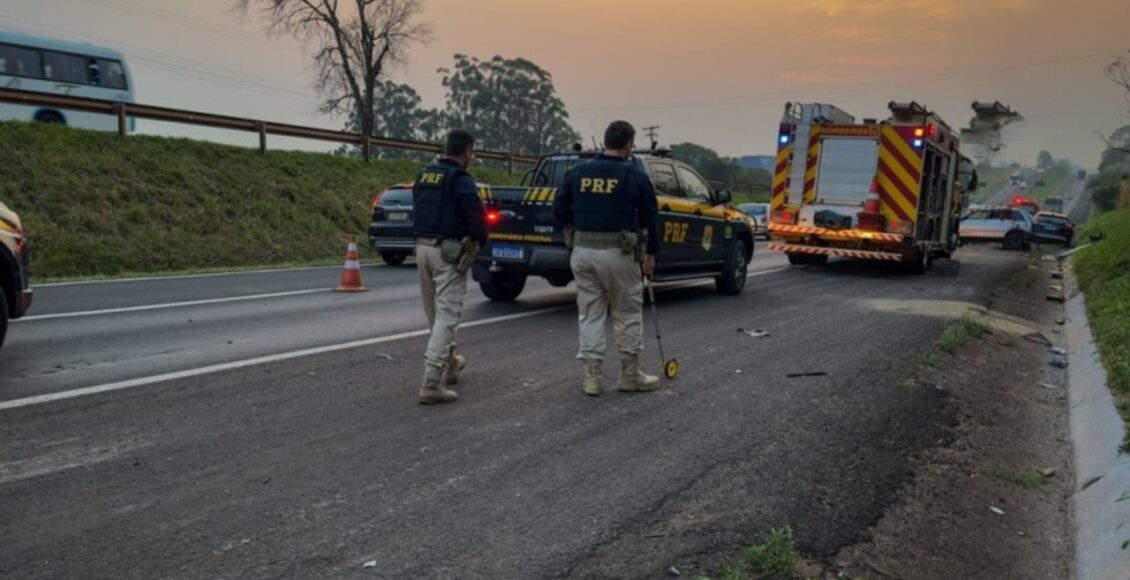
781	177
841	252
812	163
834	234
899	174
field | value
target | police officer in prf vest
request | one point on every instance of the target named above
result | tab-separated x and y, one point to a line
450	228
609	202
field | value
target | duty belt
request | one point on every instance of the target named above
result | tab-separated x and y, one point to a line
597	240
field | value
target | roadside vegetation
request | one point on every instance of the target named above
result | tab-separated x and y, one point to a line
1023	479
775	558
1103	270
959	332
95	205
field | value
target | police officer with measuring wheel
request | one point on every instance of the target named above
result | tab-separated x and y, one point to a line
609	202
450	228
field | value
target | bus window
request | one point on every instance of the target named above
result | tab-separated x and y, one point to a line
113	76
64	68
20	62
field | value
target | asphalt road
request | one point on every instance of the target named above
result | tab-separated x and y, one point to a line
311	466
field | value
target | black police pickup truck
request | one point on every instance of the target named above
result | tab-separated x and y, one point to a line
701	236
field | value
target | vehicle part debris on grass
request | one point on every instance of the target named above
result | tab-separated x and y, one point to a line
754	333
996	510
369	564
1038	338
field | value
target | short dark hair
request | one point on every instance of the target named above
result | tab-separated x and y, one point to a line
459	141
619	135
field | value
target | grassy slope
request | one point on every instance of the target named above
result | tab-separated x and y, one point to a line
96	205
1104	274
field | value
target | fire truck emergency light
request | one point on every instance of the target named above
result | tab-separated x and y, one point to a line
784	139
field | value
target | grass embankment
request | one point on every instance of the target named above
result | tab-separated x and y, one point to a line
775	558
95	205
1104	276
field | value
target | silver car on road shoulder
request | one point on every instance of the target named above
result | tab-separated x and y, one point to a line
1010	226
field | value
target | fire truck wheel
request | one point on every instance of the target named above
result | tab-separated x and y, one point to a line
922	263
1014	241
798	259
818	260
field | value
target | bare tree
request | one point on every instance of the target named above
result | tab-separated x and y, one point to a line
353	42
1118	71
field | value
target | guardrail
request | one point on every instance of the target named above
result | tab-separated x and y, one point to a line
124	111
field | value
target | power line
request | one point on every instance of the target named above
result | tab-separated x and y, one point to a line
841	88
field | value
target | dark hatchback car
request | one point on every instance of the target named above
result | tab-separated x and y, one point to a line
1053	228
390	232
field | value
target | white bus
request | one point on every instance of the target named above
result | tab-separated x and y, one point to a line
46	65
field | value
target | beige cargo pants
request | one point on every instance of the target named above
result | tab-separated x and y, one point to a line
608	282
442	289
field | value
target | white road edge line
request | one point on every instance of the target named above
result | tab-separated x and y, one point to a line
168	305
40	399
140	382
191	276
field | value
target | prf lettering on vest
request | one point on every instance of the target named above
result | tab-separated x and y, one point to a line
432	178
597	185
675	232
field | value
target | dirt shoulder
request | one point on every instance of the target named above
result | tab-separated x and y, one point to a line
978	505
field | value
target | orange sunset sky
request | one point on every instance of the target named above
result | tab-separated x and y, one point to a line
715	72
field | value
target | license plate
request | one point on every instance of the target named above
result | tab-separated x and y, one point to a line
508	252
397	216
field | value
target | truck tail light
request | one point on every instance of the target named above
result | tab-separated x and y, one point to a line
493	217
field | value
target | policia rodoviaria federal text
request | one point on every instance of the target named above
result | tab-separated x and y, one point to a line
610	205
450	228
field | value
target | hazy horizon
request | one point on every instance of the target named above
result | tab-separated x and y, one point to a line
712	72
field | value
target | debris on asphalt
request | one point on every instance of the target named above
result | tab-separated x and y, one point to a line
674	572
996	510
754	333
369	564
385	356
1059	364
737	371
812	374
1054	298
1049	258
1048	472
1057	275
1038	338
1056	288
1061	322
1058	350
1047	386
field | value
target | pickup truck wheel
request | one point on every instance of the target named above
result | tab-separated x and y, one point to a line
1014	241
733	277
503	286
393	258
3	317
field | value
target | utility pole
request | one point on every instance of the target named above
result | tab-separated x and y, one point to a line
652	132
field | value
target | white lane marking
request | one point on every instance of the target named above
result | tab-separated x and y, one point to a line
169	305
40	399
63	395
191	276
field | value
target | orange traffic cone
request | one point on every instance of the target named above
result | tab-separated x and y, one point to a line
871	218
351	274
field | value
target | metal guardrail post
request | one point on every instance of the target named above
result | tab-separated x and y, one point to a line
510	164
120	109
262	127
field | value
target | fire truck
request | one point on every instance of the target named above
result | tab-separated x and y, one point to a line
883	190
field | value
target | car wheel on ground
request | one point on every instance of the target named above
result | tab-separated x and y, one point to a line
733	277
3	317
393	258
1014	241
503	286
